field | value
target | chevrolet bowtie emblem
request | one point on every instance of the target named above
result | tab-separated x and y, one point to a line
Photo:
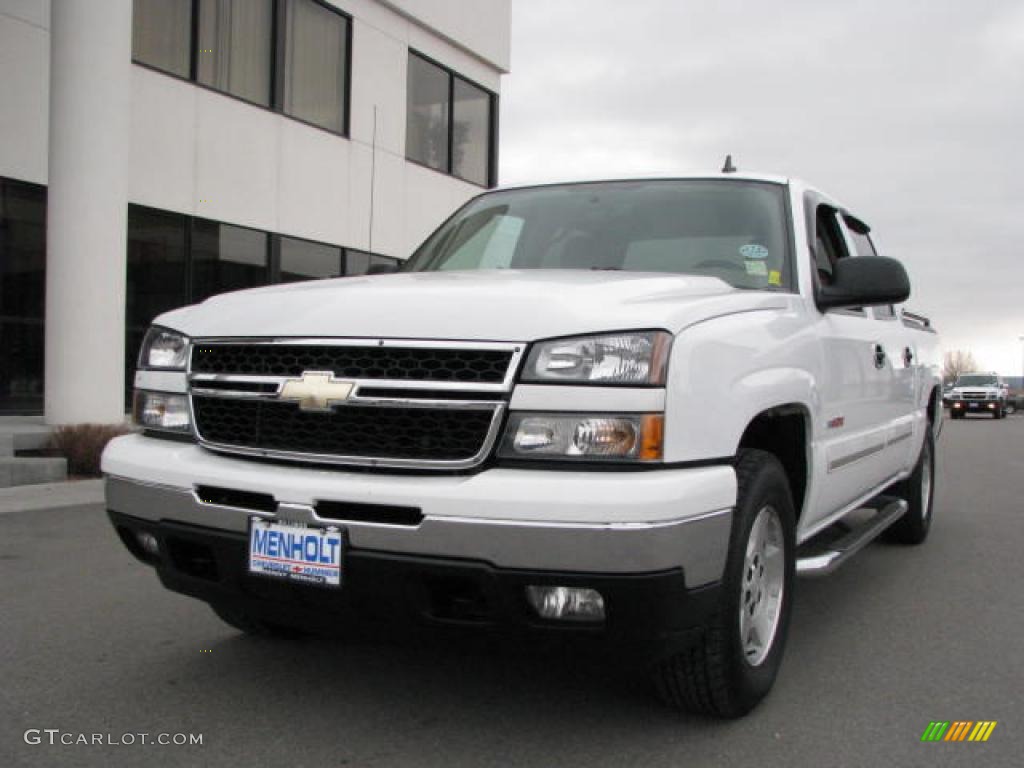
316	390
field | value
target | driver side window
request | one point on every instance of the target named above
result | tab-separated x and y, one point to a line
829	246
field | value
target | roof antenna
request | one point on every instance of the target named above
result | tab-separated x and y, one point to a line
728	167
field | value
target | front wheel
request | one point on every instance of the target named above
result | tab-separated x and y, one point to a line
734	663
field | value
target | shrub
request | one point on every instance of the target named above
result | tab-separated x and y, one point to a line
83	444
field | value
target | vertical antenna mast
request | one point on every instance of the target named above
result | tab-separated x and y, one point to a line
373	176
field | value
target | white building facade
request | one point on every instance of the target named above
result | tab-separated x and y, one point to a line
155	152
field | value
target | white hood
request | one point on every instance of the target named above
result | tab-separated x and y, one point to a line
493	305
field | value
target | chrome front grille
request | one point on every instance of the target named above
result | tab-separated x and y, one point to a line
424	434
398	363
405	404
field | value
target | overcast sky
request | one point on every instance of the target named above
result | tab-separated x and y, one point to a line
911	113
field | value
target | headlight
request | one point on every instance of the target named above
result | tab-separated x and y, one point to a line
163	348
162	410
619	358
584	436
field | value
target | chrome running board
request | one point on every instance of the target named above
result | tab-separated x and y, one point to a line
832	547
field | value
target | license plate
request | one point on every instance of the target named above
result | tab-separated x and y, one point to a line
294	552
972	405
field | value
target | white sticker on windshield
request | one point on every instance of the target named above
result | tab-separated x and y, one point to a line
754	251
758	268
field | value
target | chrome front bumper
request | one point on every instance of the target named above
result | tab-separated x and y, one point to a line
584	522
697	544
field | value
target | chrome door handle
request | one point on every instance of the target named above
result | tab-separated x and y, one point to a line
879	356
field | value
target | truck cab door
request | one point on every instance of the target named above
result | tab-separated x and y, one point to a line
906	418
906	379
858	358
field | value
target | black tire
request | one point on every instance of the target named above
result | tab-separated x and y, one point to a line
955	415
913	527
999	413
244	622
714	677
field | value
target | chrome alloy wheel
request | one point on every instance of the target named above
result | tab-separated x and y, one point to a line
761	585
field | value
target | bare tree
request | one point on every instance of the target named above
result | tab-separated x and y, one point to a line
957	362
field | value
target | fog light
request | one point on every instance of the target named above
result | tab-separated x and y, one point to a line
956	405
148	543
566	603
992	406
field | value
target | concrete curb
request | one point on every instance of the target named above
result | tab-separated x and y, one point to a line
26	498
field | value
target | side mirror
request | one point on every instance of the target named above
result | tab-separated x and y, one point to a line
382	269
864	281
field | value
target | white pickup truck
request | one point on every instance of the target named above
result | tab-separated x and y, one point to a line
633	409
978	393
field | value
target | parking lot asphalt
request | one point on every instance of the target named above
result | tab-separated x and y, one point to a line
90	643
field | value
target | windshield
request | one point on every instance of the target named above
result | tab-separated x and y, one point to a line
981	380
731	229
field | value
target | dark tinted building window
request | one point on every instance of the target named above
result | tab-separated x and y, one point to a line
162	34
157	272
305	260
316	64
449	122
359	262
226	258
235	41
22	295
427	111
471	133
163	250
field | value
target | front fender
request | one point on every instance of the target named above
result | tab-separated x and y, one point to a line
726	371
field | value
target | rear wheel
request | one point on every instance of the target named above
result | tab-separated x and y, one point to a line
734	663
917	489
